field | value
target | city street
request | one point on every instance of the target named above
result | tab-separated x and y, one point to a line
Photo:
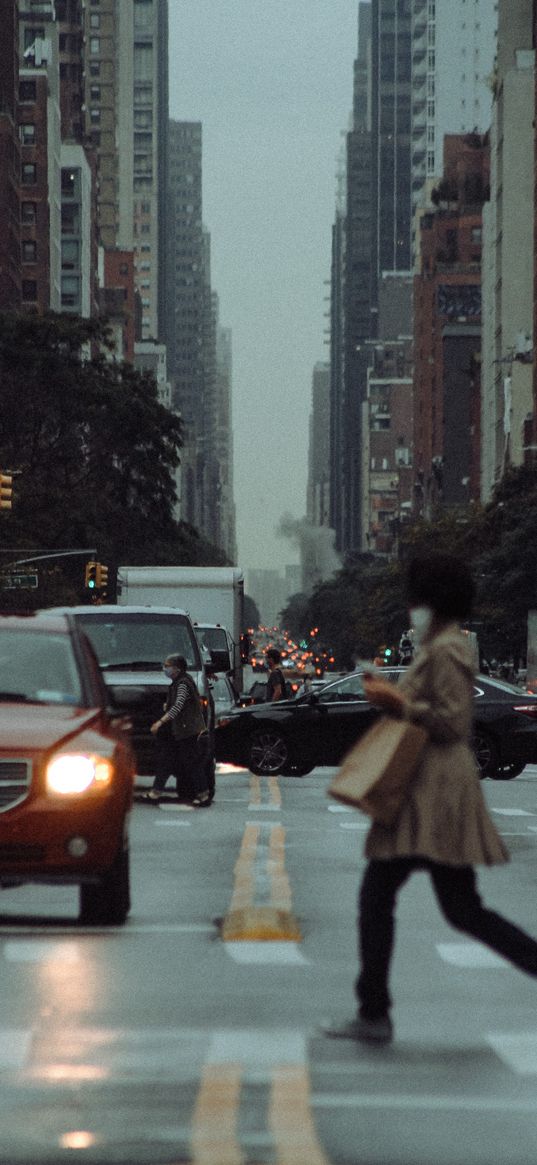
193	1034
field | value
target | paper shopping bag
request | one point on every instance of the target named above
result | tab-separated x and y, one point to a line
376	773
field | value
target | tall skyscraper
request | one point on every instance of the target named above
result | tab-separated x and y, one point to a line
391	119
141	31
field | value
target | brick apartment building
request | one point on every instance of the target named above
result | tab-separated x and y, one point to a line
10	274
447	329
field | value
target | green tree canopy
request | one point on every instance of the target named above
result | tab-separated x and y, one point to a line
93	448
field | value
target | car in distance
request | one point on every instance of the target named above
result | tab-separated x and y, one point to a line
291	737
66	768
131	643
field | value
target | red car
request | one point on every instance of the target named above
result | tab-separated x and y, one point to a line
66	768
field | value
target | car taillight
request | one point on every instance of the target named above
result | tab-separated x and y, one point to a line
527	710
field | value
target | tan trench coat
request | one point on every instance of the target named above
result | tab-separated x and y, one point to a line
444	817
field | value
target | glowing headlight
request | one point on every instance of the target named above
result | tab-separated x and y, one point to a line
74	773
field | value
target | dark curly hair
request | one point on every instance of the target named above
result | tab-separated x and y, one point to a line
442	582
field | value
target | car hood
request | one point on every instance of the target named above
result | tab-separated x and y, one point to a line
40	726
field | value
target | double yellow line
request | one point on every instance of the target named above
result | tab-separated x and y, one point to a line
215	1138
248	919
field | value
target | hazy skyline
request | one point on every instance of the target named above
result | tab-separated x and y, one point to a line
272	85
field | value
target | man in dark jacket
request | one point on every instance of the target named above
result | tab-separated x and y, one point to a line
181	736
276	686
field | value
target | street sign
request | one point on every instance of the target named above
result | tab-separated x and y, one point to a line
16	582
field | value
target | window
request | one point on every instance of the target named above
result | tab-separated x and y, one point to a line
28	174
27	134
68	183
28	213
95	92
95	20
95	68
143	14
27	91
95	45
29	251
29	290
95	115
70	254
70	219
70	290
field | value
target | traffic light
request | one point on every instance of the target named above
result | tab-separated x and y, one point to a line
91	575
101	576
6	491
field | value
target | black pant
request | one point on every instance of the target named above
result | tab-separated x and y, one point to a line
183	759
456	891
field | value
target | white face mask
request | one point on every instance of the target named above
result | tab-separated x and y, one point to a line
421	619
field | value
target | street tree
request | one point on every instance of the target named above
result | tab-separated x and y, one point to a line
92	448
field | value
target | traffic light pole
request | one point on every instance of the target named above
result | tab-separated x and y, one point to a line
39	556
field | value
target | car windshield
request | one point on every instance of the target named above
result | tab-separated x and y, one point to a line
138	639
38	668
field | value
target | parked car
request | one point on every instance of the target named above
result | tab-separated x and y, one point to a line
292	737
131	644
66	768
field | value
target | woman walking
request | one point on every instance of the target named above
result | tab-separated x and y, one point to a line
444	826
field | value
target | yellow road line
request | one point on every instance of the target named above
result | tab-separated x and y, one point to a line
291	1121
255	790
274	791
214	1124
247	920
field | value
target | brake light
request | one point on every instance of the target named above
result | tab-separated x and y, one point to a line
527	710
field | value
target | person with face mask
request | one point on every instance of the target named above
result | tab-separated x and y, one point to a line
181	737
444	826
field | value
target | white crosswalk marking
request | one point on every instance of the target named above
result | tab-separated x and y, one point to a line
469	955
517	1049
265	953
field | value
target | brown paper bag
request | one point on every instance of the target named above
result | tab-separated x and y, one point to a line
376	772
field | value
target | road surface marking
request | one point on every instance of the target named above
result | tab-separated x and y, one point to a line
257	1048
513	813
257	800
260	907
469	954
517	1049
159	821
339	809
266	953
290	1118
214	1139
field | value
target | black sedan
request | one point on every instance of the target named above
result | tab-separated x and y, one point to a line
291	737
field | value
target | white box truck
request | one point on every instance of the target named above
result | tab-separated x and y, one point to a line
210	594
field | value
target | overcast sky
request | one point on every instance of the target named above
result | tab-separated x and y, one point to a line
271	82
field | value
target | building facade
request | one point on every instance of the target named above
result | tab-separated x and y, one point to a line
447	330
509	241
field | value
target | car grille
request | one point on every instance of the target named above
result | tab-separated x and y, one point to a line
15	780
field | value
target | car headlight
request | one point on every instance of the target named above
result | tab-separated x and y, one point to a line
76	772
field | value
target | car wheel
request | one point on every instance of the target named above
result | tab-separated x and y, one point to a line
486	754
507	772
107	903
269	754
300	769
